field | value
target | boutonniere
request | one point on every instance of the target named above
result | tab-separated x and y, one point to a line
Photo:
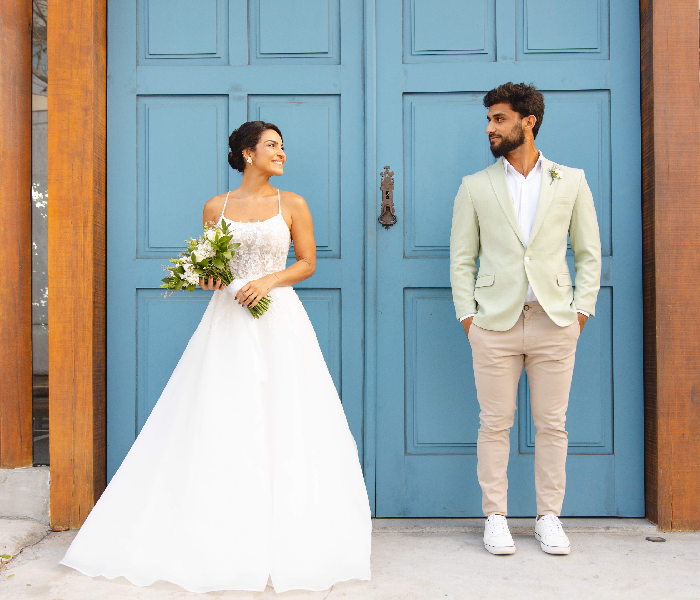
555	173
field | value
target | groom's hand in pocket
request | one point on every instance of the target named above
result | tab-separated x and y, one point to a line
582	320
467	323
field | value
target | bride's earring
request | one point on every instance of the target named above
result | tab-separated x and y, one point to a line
249	160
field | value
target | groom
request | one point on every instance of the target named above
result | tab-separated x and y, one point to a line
521	308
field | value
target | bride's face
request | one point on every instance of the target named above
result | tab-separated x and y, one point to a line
269	156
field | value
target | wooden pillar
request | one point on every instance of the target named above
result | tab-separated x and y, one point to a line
671	241
77	57
15	233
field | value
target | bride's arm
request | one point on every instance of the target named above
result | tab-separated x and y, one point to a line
302	229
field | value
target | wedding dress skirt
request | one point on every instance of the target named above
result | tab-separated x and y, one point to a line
245	469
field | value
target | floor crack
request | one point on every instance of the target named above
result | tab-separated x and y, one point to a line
8	562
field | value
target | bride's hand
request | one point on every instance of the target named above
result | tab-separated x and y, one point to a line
254	291
210	284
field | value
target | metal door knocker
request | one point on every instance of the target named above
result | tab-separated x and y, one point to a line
387	217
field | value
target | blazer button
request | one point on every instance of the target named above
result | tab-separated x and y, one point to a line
527	259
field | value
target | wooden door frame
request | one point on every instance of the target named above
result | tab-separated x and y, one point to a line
16	233
671	193
77	133
671	254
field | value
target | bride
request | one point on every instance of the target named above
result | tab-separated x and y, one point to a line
279	495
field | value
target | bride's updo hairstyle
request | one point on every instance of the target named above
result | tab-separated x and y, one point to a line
245	137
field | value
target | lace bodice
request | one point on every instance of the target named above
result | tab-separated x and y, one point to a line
264	245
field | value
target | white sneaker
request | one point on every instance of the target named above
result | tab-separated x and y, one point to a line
497	538
550	534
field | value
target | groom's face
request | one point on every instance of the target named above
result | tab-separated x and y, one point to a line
505	129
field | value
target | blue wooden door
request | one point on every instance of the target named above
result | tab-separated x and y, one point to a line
182	75
435	60
395	82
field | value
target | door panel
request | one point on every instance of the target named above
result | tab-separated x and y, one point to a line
429	175
448	30
180	142
181	75
312	141
430	84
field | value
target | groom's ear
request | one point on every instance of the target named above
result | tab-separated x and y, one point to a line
529	122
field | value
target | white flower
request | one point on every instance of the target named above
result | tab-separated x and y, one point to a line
204	250
190	276
554	173
211	234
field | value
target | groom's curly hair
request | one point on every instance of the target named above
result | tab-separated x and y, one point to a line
524	99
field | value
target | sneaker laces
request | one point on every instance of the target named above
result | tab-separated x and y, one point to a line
498	525
553	524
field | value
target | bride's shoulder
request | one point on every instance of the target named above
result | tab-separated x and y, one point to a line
292	201
213	208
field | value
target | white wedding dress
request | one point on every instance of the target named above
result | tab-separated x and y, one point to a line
246	468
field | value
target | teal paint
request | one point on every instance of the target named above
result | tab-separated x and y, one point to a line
355	87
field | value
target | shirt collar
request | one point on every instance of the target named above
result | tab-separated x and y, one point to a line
507	165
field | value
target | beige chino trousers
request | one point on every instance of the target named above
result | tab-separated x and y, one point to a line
547	352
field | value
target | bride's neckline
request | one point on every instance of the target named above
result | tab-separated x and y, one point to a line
250	222
279	212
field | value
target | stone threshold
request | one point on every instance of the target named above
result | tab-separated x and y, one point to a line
516	525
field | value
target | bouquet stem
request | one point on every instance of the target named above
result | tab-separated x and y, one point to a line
259	309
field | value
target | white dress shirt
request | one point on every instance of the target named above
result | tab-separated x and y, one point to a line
525	194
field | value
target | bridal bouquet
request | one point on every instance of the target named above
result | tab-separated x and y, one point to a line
207	256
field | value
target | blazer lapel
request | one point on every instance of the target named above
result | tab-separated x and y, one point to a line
499	183
547	192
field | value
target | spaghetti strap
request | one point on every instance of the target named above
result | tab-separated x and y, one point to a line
279	203
224	208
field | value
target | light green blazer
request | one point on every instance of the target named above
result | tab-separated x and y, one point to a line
485	226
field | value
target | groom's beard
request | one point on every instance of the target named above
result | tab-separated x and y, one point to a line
513	141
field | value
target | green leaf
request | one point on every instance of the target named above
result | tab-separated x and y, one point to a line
191	287
218	264
7	556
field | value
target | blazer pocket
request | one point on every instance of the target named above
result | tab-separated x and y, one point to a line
561	204
484	281
564	279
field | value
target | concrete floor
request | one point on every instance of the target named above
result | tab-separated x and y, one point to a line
433	559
